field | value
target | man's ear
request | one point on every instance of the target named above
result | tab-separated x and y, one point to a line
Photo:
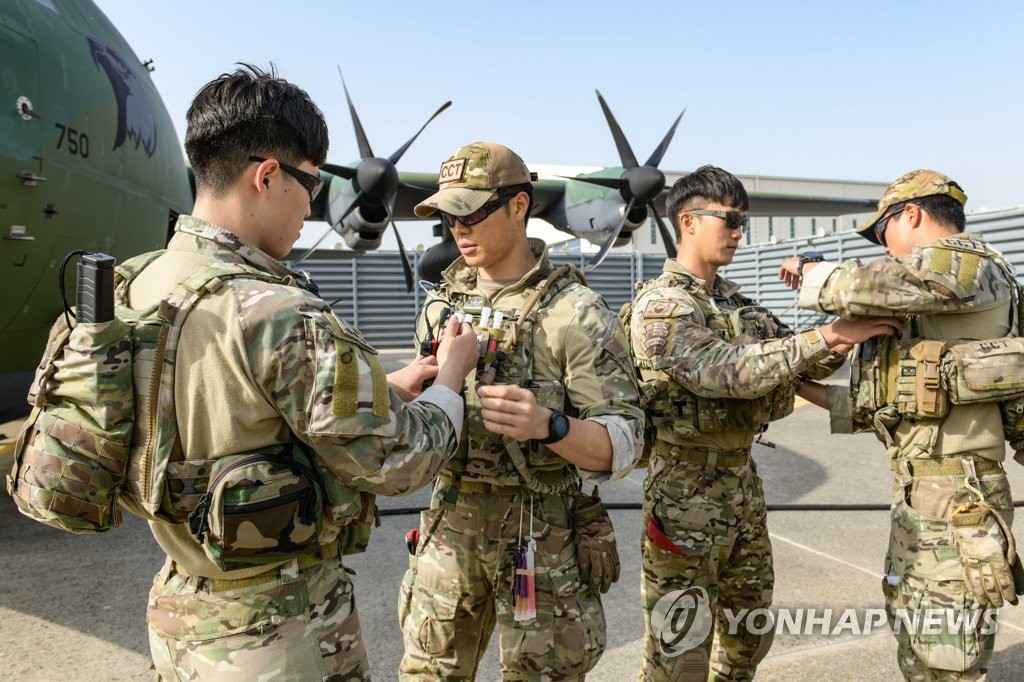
914	215
522	204
261	174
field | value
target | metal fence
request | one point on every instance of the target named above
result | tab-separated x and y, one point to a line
369	291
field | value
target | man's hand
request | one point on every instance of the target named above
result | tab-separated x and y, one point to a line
457	353
789	272
513	411
842	334
408	381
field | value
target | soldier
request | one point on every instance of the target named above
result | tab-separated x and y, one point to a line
509	538
715	369
950	546
264	369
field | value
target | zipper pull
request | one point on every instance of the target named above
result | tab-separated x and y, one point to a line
198	523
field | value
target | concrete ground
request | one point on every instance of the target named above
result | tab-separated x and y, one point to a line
73	607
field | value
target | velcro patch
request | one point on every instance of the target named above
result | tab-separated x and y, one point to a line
345	398
655	337
660	307
961	244
451	171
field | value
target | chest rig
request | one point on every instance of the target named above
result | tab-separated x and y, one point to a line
507	358
676	413
918	377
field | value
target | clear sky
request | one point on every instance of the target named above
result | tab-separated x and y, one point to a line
847	90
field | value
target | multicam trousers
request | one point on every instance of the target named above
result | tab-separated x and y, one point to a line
716	519
460	585
299	624
941	631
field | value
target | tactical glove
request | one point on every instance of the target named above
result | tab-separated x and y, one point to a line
987	551
595	543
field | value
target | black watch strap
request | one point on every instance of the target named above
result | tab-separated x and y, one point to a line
809	257
558	427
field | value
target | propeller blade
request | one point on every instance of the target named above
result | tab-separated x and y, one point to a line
341	171
416	188
364	145
666	236
309	252
659	153
626	154
613	183
401	150
608	243
406	265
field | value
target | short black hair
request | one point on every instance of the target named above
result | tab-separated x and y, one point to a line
944	209
251	113
708	184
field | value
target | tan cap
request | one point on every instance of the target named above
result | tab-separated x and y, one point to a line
912	185
469	177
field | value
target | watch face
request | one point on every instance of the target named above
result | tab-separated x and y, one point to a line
561	425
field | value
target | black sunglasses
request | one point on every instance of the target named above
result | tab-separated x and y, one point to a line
312	183
477	215
734	220
883	223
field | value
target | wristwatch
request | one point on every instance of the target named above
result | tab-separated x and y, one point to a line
558	427
808	257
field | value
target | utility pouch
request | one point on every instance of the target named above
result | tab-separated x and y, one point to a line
932	399
595	543
71	456
353	511
260	508
984	371
919	390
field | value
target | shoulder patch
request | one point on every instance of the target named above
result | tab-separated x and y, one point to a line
961	244
665	307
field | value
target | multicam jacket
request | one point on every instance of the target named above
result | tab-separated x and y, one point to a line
726	366
262	364
956	288
571	353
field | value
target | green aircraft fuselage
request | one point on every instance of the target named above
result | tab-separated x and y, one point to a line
89	159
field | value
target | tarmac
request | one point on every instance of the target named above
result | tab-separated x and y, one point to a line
73	607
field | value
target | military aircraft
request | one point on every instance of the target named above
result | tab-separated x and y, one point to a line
89	160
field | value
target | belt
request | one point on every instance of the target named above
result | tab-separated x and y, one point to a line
947	466
469	487
328	551
712	459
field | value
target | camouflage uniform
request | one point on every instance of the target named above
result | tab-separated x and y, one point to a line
572	354
259	365
716	370
952	289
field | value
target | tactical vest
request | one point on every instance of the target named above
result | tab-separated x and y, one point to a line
676	413
484	455
921	374
103	428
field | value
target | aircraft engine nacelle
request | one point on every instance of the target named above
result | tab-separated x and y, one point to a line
363	227
594	218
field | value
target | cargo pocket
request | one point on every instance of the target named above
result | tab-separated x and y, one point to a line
568	636
433	625
429	521
946	625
